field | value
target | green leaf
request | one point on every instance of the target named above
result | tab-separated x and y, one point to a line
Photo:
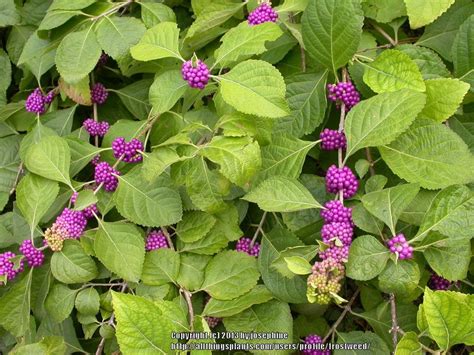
166	90
34	196
377	345
292	6
367	258
331	31
430	64
72	265
255	87
366	221
449	316
159	160
47	346
145	203
244	41
384	10
230	274
120	247
440	34
401	278
298	265
380	119
60	121
135	98
409	345
388	204
303	252
217	308
50	158
281	194
141	326
81	154
391	71
8	13
443	97
194	226
285	156
56	18
161	266
68	5
306	95
79	92
84	199
77	55
15	306
464	127
422	12
191	270
153	14
429	154
38	55
160	41
463	52
449	258
117	34
238	157
9	162
88	301
60	302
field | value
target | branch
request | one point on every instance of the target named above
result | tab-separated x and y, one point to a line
112	10
259	229
368	154
168	237
385	34
187	297
394	330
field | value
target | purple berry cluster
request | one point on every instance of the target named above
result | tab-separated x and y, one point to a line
344	92
313	346
324	280
54	237
105	174
33	256
99	94
95	128
156	240
399	245
129	150
197	75
341	179
36	101
332	139
335	212
263	13
72	223
244	245
7	267
438	283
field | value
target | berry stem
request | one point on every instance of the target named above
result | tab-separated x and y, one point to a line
393	311
259	229
347	308
95	113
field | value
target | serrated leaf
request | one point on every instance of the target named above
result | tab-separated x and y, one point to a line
463	52
117	34
430	64
367	258
68	5
77	55
244	41
388	204
443	97
422	12
146	203
408	345
34	196
81	154
120	247
383	10
79	92
191	270
380	119
156	162
429	154
166	90
160	41
153	14
366	221
72	265
38	55
255	87
161	266
87	301
84	199
377	345
306	252
450	258
400	278
230	274
194	226
9	14
298	265
60	302
217	308
56	18
50	158
135	98
281	194
391	71
331	31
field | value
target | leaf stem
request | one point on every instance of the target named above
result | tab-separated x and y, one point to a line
112	10
168	237
15	183
368	154
188	297
395	329
385	34
259	229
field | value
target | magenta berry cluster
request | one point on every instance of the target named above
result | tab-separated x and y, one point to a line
344	92
400	246
212	322
104	174
156	240
72	223
33	256
263	13
332	139
334	211
129	151
244	245
341	179
7	267
95	128
337	231
197	75
314	342
99	94
95	160
438	283
36	102
324	280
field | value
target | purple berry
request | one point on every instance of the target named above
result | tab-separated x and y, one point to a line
49	97
243	245
312	342
129	151
54	237
344	92
95	160
95	128
74	197
337	253
89	211
33	256
332	139
104	174
36	102
72	223
263	13
336	212
341	180
196	76
341	231
439	283
324	280
99	94
399	245
156	240
212	322
7	267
